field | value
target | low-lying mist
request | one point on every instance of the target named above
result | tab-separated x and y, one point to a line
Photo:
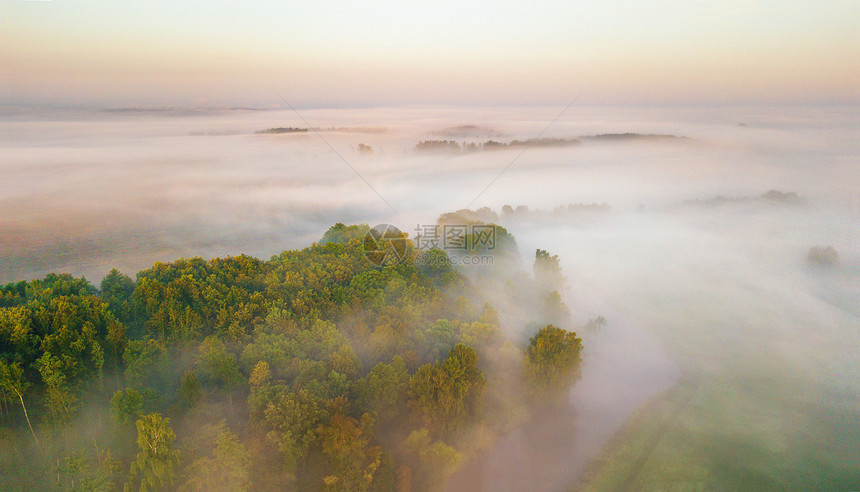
701	275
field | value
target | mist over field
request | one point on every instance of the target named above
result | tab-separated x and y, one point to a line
702	275
429	247
185	183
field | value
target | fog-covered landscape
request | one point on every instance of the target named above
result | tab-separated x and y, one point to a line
701	275
181	183
451	247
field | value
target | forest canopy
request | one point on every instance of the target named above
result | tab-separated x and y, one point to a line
314	370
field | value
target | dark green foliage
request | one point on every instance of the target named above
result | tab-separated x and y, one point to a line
78	471
189	391
145	361
127	406
488	238
13	294
117	289
437	339
72	325
343	234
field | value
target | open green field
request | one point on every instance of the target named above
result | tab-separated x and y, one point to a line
769	397
732	432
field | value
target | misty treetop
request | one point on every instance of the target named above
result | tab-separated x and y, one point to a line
552	361
314	370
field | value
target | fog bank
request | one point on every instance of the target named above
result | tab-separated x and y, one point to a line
697	273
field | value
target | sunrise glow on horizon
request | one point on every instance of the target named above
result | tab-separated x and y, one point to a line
378	53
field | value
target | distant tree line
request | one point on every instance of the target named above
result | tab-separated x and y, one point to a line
451	146
283	130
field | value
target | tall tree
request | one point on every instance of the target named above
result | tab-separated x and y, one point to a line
116	289
155	465
12	381
552	362
59	398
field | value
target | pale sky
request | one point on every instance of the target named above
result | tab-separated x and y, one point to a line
339	53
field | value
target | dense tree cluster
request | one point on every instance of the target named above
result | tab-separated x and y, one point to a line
312	370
